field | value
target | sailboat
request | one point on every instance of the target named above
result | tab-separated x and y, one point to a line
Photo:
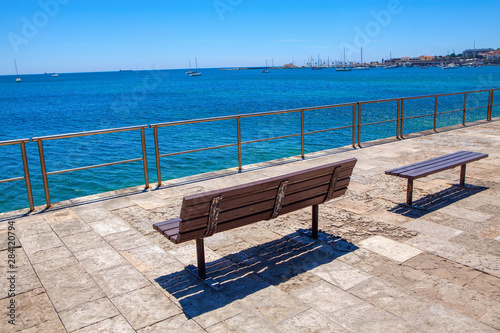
18	79
190	71
343	69
266	70
318	64
195	73
391	66
362	66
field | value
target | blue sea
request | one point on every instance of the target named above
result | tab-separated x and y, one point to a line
43	105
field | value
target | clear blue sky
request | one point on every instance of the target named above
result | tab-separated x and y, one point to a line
88	35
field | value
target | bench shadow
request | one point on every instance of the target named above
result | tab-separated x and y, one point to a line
432	202
248	271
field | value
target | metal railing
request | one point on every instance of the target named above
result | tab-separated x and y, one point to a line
240	142
40	141
355	125
22	143
400	111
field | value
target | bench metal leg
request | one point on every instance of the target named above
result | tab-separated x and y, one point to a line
409	192
462	175
200	253
201	273
315	214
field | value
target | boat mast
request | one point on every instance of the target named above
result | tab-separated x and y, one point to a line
18	79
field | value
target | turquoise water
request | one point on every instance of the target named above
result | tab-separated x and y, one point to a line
44	105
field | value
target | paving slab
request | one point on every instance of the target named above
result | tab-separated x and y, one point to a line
87	314
432	229
391	249
145	307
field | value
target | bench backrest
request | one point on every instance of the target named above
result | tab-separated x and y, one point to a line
206	213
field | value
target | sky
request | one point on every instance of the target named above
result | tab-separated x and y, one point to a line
88	35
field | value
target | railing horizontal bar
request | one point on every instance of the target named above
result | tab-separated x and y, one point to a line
250	115
328	130
421	116
380	122
269	139
447	94
93	166
194	121
477	107
198	150
79	134
13	142
11	180
452	111
380	101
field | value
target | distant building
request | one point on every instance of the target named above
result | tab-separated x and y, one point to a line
474	53
492	55
289	66
426	58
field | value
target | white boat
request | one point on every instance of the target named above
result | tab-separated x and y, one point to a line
55	74
195	73
18	79
450	66
344	68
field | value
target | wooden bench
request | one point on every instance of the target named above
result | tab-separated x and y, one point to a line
425	168
204	214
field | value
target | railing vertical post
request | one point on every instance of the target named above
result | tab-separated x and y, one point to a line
145	158
398	119
465	109
359	124
354	126
44	173
435	112
157	153
490	105
402	118
238	125
27	176
302	126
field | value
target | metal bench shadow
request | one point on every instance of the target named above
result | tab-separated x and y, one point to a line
253	269
433	202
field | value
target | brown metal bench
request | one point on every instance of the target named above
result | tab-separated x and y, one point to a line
425	168
204	214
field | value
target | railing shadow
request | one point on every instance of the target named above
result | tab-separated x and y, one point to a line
432	202
248	271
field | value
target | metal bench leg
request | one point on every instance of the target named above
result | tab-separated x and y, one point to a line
462	175
315	214
201	274
200	253
409	192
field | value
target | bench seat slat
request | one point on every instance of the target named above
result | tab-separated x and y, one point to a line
183	237
454	160
239	211
446	162
406	168
450	164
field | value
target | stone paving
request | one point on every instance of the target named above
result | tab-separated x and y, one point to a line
95	264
